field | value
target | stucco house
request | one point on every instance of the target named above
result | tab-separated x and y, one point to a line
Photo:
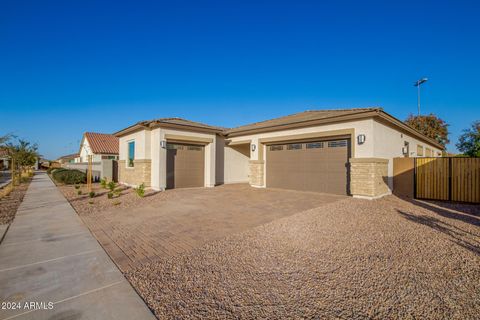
69	158
99	145
347	151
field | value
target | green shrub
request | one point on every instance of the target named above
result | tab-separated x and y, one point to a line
91	194
112	185
79	192
77	186
103	183
51	170
68	176
110	195
140	190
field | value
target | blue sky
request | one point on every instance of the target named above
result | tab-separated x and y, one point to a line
67	67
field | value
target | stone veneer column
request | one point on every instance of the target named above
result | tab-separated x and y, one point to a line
256	175
140	173
369	177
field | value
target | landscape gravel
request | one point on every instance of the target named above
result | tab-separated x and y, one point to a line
353	259
10	203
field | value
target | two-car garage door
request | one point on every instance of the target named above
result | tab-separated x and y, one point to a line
320	166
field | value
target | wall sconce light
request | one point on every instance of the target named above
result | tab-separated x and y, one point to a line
254	147
361	139
163	144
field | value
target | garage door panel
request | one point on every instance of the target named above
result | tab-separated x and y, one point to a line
185	166
318	166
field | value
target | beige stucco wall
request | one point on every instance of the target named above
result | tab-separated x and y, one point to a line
388	144
364	126
148	147
236	163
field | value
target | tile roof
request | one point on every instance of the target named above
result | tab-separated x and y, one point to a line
102	143
300	117
69	156
183	122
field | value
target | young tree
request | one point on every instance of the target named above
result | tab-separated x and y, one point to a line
469	141
23	155
431	126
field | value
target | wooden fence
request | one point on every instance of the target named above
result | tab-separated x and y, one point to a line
454	179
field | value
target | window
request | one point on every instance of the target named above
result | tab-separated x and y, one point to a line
428	152
172	146
131	154
337	144
109	157
314	145
419	151
276	148
294	146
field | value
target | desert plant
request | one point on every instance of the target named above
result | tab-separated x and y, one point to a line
91	202
91	194
77	186
103	183
69	176
116	203
79	192
110	195
140	190
111	186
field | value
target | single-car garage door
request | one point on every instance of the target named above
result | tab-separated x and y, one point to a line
320	166
185	165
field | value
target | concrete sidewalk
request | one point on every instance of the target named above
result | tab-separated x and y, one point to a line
49	256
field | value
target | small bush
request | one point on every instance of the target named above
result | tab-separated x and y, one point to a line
69	176
103	183
77	186
140	190
91	202
79	192
110	195
91	194
116	203
112	185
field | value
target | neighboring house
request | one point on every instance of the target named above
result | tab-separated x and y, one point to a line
69	158
4	160
347	151
99	145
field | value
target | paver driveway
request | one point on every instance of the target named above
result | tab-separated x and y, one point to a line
188	218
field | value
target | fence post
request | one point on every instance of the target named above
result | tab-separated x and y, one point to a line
450	182
415	178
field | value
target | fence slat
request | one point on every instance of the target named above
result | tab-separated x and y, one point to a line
432	179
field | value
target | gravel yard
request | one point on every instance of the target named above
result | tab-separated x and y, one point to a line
10	203
84	205
350	259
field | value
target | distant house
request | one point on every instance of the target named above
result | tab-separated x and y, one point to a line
69	158
4	159
101	146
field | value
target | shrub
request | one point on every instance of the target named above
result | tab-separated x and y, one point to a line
69	176
110	195
77	186
91	194
103	183
112	185
51	170
79	192
140	190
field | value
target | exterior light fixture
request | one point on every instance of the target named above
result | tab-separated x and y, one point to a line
254	147
163	144
361	138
